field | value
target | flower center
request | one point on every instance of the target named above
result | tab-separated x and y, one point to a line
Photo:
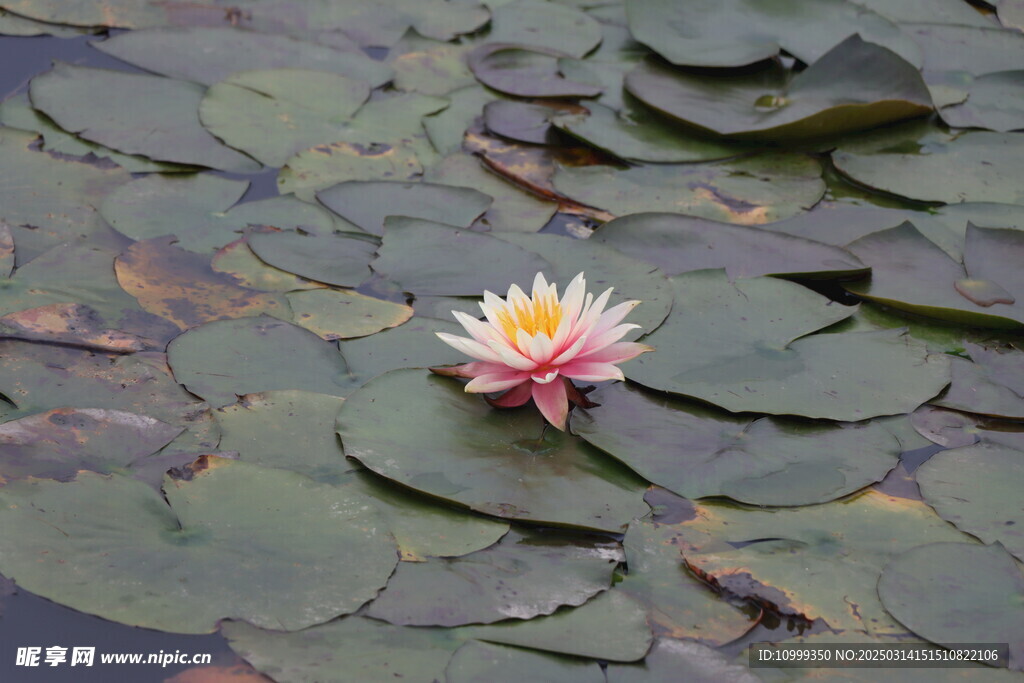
541	314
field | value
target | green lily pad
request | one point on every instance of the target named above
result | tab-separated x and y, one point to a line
228	358
698	451
974	50
977	489
678	604
40	377
935	591
412	345
430	67
794	558
58	443
928	11
14	25
479	589
526	72
180	286
340	314
611	627
533	23
911	273
150	116
636	134
672	660
975	387
523	121
452	445
274	114
209	54
64	194
16	111
995	102
677	244
201	211
446	128
126	13
368	203
1011	14
294	430
116	548
759	189
739	32
761	357
512	210
477	661
425	257
6	251
856	85
975	166
333	259
238	261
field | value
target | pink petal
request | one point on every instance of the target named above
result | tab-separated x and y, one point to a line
511	358
544	376
552	402
613	316
591	372
480	331
606	338
470	347
516	396
469	370
615	353
570	352
497	381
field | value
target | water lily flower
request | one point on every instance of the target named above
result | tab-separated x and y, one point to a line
532	347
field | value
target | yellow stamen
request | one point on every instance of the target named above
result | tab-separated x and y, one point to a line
540	314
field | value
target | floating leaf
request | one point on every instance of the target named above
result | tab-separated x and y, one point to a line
935	591
368	203
678	604
975	388
739	32
512	208
761	357
16	111
180	286
975	166
430	67
971	49
477	661
452	445
677	243
425	257
339	314
752	190
41	191
524	121
138	114
636	134
672	660
483	587
74	324
276	113
446	128
238	261
910	273
855	85
995	102
976	488
41	377
208	54
533	23
525	72
698	452
58	443
334	259
294	430
116	548
228	358
412	345
6	251
793	559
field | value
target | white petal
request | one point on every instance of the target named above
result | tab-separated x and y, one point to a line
540	286
479	330
541	348
613	316
606	338
498	381
592	372
511	358
471	347
572	300
545	377
570	352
